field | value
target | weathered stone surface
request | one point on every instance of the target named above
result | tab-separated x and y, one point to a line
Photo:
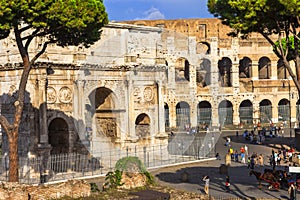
133	180
72	188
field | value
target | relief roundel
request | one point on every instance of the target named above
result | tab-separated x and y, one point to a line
51	95
65	95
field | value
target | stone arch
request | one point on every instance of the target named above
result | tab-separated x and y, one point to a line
265	110
203	48
245	68
282	72
204	113
142	126
284	110
203	73
58	135
224	66
167	115
225	111
182	70
183	115
105	116
246	112
264	68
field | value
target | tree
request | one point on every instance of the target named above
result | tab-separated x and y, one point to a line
269	18
61	22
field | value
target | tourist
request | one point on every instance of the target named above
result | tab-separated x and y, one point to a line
206	186
292	192
227	184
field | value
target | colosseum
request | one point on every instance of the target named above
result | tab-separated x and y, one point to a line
143	79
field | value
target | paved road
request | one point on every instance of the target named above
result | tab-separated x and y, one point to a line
243	186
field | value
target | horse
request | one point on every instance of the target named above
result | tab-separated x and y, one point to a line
267	176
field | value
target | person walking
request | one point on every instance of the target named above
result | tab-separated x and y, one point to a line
227	184
292	192
206	186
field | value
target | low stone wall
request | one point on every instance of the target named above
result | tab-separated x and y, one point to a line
72	188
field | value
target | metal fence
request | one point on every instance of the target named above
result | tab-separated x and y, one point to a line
182	147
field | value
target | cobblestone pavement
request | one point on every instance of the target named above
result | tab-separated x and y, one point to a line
242	186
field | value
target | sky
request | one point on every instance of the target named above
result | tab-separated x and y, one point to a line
123	10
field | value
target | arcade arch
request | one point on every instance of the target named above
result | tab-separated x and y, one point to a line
182	70
167	116
246	112
204	113
203	73
224	67
284	110
225	111
265	110
183	115
264	68
245	66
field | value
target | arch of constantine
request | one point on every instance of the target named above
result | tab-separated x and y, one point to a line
142	79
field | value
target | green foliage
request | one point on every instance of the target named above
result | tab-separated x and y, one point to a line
94	187
113	179
130	164
255	15
290	47
67	22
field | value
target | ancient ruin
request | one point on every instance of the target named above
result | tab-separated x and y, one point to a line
141	80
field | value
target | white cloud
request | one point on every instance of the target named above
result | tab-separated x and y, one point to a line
152	13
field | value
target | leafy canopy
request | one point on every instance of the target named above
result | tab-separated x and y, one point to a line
65	22
262	16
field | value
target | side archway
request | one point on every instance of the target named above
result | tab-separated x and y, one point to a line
142	126
58	133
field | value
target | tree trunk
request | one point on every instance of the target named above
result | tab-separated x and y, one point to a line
13	156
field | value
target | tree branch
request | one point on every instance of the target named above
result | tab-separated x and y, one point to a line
40	52
5	124
30	38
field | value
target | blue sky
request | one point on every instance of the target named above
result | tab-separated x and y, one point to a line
121	10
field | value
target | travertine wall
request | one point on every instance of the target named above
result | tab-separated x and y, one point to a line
116	92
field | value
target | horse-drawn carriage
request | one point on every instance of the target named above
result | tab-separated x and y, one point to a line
277	178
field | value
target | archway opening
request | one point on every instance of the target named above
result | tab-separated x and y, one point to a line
225	66
167	118
225	111
183	115
284	110
204	113
104	113
58	134
142	126
245	68
264	67
265	110
246	112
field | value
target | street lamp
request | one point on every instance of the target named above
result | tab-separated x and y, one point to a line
290	105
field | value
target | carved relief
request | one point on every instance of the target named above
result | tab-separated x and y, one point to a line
108	127
65	95
51	95
137	95
148	94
